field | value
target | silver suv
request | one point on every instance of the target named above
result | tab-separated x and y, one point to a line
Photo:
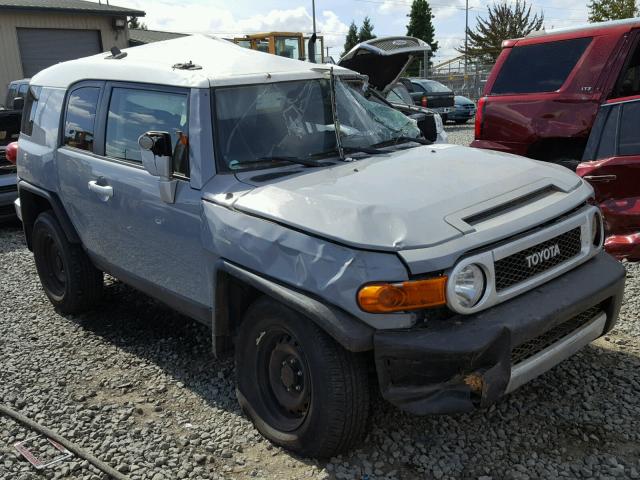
312	229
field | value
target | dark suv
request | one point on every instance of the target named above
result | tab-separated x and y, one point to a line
10	117
544	91
431	94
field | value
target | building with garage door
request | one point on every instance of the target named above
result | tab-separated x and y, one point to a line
35	34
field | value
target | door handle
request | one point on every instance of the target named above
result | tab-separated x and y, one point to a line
601	178
105	192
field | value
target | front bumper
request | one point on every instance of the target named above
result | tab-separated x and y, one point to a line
461	363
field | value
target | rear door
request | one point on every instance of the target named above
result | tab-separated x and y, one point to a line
115	203
611	164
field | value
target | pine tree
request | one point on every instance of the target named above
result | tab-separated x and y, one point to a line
135	23
366	30
352	38
505	20
603	10
421	26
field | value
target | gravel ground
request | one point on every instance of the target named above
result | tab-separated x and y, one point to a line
460	134
136	384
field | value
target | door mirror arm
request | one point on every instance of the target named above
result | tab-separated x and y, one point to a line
157	159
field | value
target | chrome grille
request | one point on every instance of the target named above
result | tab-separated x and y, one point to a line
536	345
394	44
516	268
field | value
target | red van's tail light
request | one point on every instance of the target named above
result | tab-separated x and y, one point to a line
479	117
12	152
424	102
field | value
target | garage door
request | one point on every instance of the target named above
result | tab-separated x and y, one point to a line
42	47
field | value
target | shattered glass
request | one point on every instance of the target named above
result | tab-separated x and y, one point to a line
294	119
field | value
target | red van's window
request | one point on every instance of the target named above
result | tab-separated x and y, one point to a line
537	68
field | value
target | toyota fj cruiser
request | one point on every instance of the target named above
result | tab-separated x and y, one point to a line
312	230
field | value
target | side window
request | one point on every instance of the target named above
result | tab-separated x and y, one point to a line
29	112
79	123
629	135
133	112
608	137
540	67
629	81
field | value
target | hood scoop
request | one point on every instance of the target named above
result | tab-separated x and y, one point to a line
501	208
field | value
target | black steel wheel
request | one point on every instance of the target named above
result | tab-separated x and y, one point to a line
286	383
301	389
67	275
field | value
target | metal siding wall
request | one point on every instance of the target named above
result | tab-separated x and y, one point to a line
10	62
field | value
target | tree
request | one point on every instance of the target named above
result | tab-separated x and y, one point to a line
505	20
135	23
603	10
421	26
366	30
352	38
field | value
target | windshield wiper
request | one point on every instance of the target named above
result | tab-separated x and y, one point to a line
403	139
369	150
285	158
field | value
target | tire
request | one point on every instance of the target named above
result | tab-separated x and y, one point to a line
325	412
67	275
460	122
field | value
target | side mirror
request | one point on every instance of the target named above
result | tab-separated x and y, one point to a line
157	159
18	103
157	155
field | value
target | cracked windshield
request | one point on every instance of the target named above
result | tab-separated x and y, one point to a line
270	122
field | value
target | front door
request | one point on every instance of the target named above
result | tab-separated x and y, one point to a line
612	166
115	204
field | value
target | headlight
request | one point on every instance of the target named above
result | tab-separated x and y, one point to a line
468	286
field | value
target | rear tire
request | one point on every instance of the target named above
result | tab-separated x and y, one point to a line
301	389
67	275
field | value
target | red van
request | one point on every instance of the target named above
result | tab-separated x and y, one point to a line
543	94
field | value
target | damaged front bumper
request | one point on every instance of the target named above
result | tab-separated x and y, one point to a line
468	361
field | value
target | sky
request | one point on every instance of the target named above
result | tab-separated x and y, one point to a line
333	17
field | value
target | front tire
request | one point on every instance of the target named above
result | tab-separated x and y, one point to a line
301	389
67	275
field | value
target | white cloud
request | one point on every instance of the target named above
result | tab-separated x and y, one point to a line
218	19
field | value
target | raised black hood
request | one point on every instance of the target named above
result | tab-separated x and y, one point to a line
384	59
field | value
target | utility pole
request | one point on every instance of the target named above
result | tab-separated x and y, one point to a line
313	10
466	37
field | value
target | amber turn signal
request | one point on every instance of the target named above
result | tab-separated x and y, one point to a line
396	297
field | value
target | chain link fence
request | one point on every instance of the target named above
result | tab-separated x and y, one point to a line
452	74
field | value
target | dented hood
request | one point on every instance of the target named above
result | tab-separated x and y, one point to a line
413	198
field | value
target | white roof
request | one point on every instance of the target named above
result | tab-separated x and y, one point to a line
222	62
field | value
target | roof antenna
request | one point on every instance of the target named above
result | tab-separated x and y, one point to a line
116	54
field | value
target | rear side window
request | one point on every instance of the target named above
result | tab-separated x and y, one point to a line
29	112
629	81
629	133
79	124
539	68
133	112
